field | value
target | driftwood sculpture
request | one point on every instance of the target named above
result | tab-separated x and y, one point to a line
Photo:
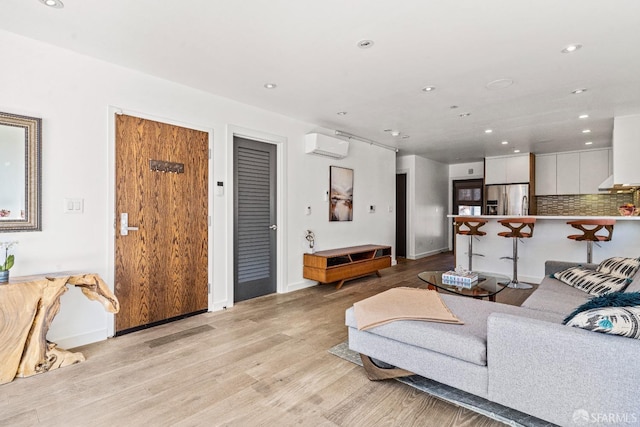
27	308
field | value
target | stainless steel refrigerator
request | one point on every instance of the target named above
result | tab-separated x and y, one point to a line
511	199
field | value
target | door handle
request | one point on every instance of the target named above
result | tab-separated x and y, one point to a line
124	225
273	227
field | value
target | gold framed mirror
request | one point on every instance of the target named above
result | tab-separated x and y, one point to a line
20	173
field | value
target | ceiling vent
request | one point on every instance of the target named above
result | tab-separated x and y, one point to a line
323	145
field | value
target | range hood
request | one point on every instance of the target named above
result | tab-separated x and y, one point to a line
626	151
608	185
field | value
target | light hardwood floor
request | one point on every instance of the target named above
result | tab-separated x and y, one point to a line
263	362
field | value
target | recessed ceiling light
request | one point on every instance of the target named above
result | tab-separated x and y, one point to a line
488	130
588	143
583	116
395	133
586	131
577	91
365	44
387	130
405	136
516	151
270	85
428	88
499	84
571	48
453	107
341	113
504	142
57	4
464	114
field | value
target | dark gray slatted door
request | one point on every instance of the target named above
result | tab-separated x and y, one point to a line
254	219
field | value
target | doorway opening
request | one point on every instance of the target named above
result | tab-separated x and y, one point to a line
401	215
467	199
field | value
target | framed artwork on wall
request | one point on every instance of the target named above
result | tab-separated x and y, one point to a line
341	194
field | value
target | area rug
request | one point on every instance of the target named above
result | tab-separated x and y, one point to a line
452	395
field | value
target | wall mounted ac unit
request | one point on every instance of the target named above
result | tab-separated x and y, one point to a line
323	145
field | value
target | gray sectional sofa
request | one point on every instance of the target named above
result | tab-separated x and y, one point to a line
520	357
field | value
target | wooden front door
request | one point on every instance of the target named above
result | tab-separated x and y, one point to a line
161	184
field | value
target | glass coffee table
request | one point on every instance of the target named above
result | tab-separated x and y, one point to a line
488	286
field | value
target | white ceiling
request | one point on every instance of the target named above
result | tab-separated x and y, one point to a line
309	49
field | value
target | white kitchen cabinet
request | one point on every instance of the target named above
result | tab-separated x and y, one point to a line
594	168
546	175
578	172
626	150
495	170
507	169
568	173
518	169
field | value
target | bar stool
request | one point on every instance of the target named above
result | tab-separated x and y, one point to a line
470	226
516	225
589	232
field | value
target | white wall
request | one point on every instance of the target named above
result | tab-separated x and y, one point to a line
427	190
372	185
74	95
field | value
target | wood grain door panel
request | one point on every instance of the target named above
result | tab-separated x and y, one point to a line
161	269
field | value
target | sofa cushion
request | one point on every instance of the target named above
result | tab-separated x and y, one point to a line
619	267
634	286
624	321
466	342
613	299
590	281
561	289
545	299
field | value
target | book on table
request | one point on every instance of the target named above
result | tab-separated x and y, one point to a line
466	279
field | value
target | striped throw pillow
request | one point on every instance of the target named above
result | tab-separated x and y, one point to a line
591	281
623	321
619	266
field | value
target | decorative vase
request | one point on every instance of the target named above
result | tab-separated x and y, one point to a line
4	276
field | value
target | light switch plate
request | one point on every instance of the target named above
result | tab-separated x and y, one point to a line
73	206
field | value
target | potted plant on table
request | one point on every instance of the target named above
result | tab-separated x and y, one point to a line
8	261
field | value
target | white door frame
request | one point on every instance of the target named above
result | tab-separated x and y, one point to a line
111	216
280	142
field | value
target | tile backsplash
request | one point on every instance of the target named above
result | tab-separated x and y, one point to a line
584	204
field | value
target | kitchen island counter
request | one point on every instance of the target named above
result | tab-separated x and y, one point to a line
549	242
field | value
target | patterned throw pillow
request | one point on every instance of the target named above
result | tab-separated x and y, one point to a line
590	281
619	266
612	299
624	321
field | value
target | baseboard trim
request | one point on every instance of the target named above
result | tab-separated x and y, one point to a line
426	254
300	285
221	305
82	339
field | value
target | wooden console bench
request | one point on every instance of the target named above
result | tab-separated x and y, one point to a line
339	265
27	307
